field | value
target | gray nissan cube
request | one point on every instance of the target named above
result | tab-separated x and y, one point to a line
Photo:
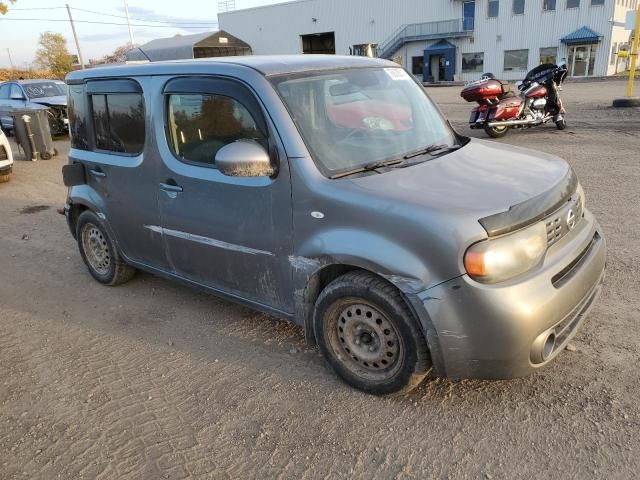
330	191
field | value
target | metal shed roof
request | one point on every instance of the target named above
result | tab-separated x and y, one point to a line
198	45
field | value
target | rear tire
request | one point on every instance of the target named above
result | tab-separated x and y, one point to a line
368	335
561	124
99	252
496	132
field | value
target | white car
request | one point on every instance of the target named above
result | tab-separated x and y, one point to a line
6	158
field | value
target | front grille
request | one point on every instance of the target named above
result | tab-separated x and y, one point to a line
3	153
563	220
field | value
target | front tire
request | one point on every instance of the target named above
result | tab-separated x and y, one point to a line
561	124
5	178
368	335
99	252
496	132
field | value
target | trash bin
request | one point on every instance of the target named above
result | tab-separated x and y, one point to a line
31	128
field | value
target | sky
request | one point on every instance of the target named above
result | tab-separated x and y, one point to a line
97	40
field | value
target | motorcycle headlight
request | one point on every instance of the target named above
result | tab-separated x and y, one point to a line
498	259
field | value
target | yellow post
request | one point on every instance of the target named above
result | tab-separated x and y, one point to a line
634	55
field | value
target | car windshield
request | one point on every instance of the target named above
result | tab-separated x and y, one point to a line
44	89
354	118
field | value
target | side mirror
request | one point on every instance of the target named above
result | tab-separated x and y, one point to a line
244	158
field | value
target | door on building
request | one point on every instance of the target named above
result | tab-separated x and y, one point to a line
438	68
320	43
581	60
468	15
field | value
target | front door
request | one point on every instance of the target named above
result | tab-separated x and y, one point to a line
436	71
581	60
232	234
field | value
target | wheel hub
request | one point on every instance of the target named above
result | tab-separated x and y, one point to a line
96	249
367	338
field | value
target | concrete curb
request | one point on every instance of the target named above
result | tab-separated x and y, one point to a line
625	102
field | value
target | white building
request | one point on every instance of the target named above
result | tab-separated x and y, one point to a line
446	39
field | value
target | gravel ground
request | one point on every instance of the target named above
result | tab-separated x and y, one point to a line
154	380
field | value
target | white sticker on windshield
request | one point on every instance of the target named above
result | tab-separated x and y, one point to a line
396	73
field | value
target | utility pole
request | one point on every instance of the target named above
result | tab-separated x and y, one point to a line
75	37
126	12
10	59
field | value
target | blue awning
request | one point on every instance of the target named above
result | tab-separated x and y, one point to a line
440	46
582	35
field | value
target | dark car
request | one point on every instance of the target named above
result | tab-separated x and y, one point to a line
330	191
33	95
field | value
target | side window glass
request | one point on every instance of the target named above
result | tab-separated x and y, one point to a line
118	121
4	92
200	125
77	117
16	91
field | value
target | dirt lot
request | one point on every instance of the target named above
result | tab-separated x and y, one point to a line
153	380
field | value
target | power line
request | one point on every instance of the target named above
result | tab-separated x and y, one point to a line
96	22
144	20
35	8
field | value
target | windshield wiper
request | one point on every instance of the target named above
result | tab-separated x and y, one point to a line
432	150
369	167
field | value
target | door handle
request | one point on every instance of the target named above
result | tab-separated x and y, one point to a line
167	187
97	173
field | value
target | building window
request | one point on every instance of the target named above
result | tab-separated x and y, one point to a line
516	59
549	5
417	65
494	7
365	50
118	121
323	43
200	125
472	62
548	55
518	7
573	3
597	2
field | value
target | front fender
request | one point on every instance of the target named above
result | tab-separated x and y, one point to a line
366	250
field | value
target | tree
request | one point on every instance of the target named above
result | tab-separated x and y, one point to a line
53	54
119	55
4	6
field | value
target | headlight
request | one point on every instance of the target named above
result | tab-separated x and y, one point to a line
498	259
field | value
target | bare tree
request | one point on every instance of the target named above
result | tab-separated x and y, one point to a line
119	55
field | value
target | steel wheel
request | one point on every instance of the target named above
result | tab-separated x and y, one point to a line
364	340
96	249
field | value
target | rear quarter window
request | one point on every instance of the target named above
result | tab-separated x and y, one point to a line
77	107
118	120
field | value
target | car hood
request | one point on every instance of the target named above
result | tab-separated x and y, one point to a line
479	180
59	100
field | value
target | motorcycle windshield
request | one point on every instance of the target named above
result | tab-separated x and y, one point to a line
542	73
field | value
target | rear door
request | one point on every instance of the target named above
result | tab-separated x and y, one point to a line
5	106
110	135
229	233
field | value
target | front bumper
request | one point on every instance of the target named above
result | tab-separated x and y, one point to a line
490	331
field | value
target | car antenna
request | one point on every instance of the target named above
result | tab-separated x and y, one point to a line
143	52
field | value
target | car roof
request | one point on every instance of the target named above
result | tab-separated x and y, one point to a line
266	64
33	80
